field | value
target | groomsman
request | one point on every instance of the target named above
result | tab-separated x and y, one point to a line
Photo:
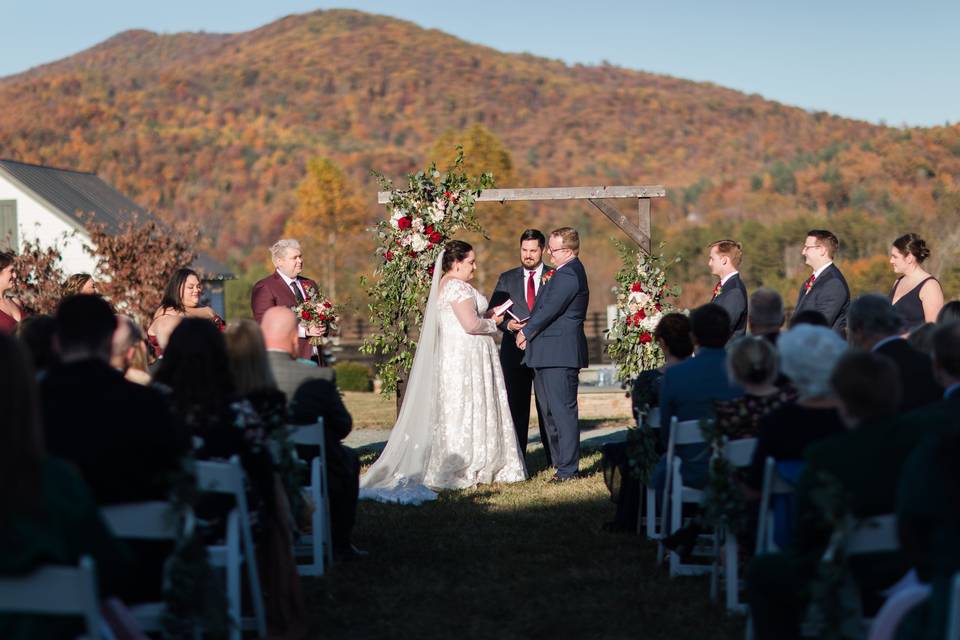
826	289
285	287
521	284
730	292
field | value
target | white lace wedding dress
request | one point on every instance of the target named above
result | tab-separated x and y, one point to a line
454	429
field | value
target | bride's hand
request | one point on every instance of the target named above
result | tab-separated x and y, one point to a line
497	319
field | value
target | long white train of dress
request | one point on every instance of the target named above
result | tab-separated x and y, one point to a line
454	429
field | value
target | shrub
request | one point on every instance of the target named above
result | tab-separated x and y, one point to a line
353	376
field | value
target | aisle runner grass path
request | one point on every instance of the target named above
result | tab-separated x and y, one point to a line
526	560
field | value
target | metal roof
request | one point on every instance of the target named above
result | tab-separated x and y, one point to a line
85	198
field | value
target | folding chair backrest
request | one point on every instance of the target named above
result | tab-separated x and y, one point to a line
740	452
307	434
686	432
876	534
56	590
773	485
220	477
148	521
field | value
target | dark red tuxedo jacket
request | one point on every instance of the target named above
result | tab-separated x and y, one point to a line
272	291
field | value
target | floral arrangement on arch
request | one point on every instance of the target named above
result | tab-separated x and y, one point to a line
642	293
423	216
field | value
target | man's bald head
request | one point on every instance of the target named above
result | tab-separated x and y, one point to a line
279	327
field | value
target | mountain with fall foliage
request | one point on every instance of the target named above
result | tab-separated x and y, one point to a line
219	128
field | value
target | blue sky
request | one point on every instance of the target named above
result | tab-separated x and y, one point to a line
874	60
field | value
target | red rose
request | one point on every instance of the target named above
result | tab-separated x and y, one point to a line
388	255
645	338
436	238
430	270
428	230
404	222
641	314
658	307
412	253
448	195
306	315
637	287
629	321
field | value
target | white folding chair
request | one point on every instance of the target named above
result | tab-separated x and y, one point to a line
773	485
738	453
676	495
875	534
56	590
228	478
318	544
647	508
148	521
891	614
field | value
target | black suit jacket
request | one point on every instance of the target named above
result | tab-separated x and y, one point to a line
511	285
119	434
917	385
733	298
829	295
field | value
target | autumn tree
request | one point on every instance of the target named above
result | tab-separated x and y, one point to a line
40	277
502	223
327	210
136	261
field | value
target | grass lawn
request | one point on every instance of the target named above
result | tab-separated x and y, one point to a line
526	560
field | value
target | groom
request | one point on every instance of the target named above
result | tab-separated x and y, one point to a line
557	348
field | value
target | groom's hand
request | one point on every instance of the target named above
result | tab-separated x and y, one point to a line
521	340
516	325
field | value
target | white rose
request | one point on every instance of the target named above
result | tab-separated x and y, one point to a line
418	224
639	298
406	240
418	242
437	211
394	219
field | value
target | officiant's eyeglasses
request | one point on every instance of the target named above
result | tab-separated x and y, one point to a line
552	251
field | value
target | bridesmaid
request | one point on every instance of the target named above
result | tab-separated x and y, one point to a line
181	299
10	312
916	295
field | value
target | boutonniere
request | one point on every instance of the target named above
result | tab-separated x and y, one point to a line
716	290
545	278
810	282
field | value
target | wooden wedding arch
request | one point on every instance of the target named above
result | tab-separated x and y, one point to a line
597	196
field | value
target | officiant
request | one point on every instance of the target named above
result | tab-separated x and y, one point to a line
521	285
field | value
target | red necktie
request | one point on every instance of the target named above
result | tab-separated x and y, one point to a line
810	282
531	291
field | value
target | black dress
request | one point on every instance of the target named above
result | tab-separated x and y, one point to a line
909	307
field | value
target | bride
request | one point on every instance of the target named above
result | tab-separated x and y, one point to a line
454	429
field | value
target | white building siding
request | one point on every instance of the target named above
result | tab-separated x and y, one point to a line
36	222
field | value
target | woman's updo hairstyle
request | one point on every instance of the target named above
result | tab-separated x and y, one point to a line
914	245
455	251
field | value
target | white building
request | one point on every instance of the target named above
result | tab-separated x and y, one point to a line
50	207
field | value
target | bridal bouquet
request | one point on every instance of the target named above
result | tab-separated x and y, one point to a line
318	312
642	293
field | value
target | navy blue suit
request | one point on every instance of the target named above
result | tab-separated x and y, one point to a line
733	298
687	392
829	295
557	349
518	377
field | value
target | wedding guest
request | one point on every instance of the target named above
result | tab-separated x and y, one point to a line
38	334
79	283
181	299
808	316
730	292
807	357
874	324
826	289
11	313
949	313
119	434
765	314
865	460
128	351
285	287
252	375
752	365
916	295
673	336
689	389
47	513
312	395
521	285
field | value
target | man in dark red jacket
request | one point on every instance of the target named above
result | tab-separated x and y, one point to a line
285	287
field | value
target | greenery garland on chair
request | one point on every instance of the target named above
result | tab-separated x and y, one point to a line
423	216
642	293
725	506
